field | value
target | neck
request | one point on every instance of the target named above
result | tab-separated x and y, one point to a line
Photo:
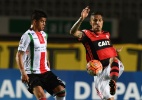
100	32
36	30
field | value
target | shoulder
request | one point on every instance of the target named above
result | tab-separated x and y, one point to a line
29	32
26	34
106	32
89	33
44	33
85	34
86	31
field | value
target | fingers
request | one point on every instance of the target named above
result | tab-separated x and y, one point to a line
85	12
119	49
87	8
25	79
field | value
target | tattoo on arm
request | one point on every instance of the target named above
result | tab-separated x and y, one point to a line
76	26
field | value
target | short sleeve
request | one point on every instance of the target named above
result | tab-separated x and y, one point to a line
24	42
83	38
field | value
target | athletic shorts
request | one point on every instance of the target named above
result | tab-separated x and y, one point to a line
48	81
103	79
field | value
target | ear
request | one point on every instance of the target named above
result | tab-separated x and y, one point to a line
90	22
34	22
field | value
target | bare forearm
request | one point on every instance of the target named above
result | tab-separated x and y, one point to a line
21	68
48	63
20	63
76	26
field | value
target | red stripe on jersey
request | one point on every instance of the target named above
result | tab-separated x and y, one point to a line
115	68
94	36
40	37
106	53
42	62
114	73
42	99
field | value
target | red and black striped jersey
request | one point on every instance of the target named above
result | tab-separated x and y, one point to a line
98	46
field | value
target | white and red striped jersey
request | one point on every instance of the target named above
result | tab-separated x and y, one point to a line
35	47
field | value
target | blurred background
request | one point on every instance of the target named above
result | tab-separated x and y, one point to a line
123	19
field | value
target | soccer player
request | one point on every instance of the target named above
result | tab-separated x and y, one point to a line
98	46
33	63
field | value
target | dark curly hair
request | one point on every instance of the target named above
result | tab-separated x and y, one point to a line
37	14
96	13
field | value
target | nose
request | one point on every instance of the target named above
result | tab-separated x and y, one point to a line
97	22
44	23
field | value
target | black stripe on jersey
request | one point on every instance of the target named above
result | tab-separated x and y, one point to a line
90	48
101	44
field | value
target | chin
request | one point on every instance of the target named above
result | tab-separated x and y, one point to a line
96	30
42	29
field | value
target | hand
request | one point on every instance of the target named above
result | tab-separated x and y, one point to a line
24	78
85	12
119	49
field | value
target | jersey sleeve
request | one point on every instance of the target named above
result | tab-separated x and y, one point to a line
45	35
83	38
24	42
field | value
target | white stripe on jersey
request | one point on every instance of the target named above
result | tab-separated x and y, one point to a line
35	56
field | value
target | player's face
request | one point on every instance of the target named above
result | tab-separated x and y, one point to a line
96	22
40	24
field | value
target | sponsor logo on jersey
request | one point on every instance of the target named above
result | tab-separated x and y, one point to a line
32	33
103	43
107	36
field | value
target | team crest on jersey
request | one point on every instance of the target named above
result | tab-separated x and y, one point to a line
107	36
32	33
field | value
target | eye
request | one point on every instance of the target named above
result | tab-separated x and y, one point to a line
100	20
95	20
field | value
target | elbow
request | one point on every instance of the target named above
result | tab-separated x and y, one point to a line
16	57
72	31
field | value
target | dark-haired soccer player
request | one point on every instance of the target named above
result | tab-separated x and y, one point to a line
33	63
98	46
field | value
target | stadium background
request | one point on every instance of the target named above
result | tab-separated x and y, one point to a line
123	19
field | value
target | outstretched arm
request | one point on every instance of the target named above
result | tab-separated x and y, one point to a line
75	28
